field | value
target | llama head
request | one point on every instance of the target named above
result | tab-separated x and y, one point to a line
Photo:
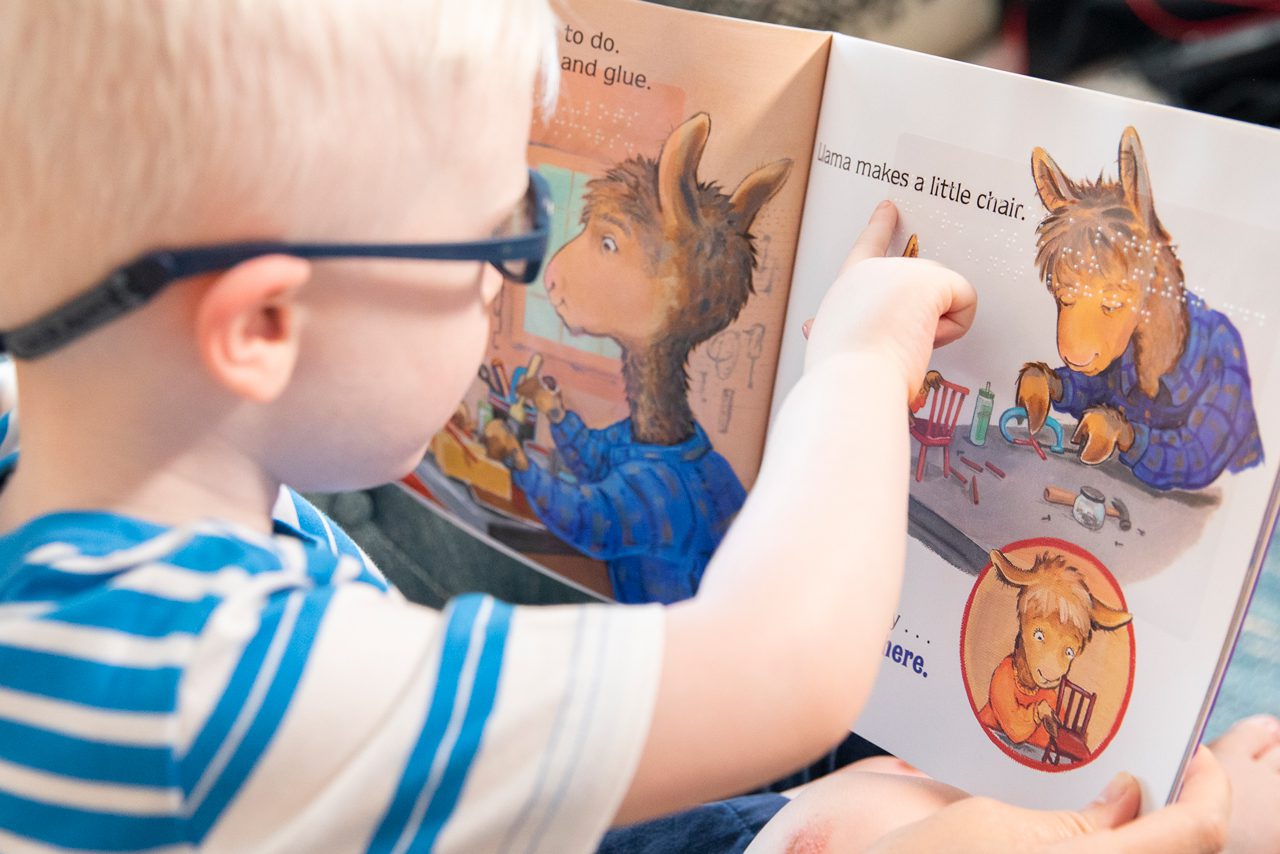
1057	614
1109	264
662	259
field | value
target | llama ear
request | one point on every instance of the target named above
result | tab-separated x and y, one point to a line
1135	180
913	247
1108	619
1008	571
678	172
756	189
1054	187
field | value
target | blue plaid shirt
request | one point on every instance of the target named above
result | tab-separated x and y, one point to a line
654	513
1201	420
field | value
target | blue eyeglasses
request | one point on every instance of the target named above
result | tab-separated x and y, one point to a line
517	255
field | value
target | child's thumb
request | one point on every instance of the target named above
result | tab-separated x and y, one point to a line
1118	804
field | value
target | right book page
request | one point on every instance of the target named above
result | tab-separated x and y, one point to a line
1092	467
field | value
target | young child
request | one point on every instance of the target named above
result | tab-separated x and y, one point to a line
176	669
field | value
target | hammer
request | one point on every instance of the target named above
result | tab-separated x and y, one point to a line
1122	513
1117	510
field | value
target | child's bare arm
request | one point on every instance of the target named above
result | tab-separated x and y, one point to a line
769	665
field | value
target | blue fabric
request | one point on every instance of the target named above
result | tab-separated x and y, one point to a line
318	529
64	564
65	569
653	513
1201	421
727	827
723	827
470	619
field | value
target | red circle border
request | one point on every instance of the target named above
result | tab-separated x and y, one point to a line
1078	551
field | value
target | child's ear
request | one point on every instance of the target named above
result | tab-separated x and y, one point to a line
247	325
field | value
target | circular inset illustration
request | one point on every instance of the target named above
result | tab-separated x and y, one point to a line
1047	652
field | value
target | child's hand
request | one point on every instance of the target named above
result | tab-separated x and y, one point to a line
894	309
1196	824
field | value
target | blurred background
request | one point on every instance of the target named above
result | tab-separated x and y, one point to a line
1215	57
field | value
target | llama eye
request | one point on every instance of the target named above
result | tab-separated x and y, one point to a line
608	244
1110	308
1065	300
1071	653
1039	635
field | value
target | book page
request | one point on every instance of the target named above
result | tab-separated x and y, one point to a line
1070	593
620	414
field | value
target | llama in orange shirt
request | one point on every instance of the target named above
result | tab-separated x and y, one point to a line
1057	616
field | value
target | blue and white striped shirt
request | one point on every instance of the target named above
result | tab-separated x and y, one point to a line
168	689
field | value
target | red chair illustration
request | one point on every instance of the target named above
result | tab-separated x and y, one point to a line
938	429
1075	707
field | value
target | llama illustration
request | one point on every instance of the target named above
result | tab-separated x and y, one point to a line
663	263
1151	372
1057	616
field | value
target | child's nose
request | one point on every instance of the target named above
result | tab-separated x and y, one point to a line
550	275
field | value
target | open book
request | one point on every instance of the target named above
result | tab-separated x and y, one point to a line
1092	468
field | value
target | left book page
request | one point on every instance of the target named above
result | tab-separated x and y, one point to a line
619	416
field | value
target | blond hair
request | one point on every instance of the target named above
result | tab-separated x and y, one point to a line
134	124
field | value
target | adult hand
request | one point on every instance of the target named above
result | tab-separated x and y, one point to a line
1196	824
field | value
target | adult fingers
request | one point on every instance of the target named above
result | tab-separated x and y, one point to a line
1118	804
1078	831
873	242
1196	824
1248	738
1271	759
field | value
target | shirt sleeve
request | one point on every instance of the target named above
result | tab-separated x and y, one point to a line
636	509
485	728
1016	719
1079	391
585	452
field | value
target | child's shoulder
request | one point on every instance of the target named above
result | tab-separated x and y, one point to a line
102	545
88	581
204	661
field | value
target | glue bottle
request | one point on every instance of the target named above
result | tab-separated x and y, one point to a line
982	408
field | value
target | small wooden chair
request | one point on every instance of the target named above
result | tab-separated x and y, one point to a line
1075	708
939	428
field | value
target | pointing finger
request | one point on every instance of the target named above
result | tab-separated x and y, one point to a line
873	242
